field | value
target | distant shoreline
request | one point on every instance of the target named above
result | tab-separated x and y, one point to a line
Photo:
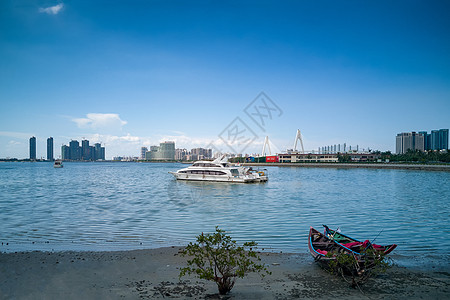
406	166
398	166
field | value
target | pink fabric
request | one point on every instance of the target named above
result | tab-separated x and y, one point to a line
324	252
349	245
364	245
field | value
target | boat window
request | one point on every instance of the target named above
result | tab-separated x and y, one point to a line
234	172
206	172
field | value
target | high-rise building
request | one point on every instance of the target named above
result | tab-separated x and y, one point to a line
439	139
443	137
99	152
143	151
75	150
92	152
85	152
32	148
426	140
435	140
181	154
65	152
201	153
50	155
409	140
165	151
85	155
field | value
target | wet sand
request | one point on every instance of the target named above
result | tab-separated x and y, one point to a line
153	274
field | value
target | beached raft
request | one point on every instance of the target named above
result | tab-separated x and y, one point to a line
354	244
328	246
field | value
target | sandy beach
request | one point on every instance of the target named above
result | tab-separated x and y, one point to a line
153	274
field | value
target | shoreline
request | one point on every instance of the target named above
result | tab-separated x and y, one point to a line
153	274
398	166
405	166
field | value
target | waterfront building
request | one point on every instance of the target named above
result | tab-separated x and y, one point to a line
439	139
65	152
125	158
409	141
443	135
85	153
75	151
165	151
201	153
182	154
436	140
143	151
324	157
50	155
99	152
92	152
302	157
32	148
426	140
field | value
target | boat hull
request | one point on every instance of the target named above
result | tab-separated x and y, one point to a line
326	250
212	178
341	238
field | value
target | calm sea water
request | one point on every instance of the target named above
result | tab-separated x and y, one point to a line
117	206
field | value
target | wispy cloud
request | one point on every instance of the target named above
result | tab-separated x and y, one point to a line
52	10
100	121
119	144
14	143
18	135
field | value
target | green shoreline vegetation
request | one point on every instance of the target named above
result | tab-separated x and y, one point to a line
425	157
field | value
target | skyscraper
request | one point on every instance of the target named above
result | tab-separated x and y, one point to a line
85	155
75	151
50	148
143	150
434	140
165	151
85	152
426	140
99	152
409	140
443	139
437	140
32	148
65	152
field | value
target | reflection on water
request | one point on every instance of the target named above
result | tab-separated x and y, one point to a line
99	206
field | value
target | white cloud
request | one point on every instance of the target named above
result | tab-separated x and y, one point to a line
18	135
100	121
130	145
119	145
52	10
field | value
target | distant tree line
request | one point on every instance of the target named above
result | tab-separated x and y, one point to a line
417	156
410	156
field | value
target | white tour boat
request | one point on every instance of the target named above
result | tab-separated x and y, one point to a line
219	170
58	164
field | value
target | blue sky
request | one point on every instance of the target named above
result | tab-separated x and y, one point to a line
134	73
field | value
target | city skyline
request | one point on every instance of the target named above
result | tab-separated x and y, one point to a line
139	73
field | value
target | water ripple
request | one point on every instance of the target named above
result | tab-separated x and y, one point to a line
103	206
